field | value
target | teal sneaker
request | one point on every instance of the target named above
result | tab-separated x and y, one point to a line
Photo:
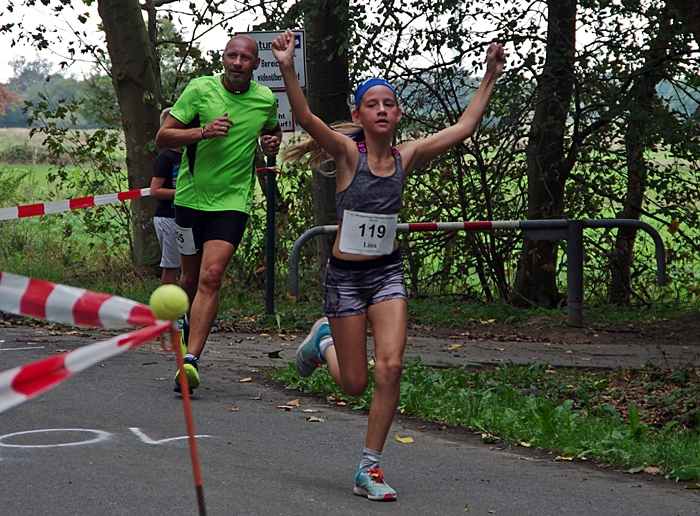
370	482
308	356
191	367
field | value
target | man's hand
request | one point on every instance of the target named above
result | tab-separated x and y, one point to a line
270	145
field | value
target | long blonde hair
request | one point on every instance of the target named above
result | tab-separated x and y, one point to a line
316	156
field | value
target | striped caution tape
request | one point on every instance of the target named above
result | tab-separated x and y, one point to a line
24	382
32	210
30	297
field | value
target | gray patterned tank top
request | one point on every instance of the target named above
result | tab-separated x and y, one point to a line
369	193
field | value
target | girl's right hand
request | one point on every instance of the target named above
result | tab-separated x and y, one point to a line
283	48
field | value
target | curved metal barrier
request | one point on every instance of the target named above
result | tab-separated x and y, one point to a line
553	229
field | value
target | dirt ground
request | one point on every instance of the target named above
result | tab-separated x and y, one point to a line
553	329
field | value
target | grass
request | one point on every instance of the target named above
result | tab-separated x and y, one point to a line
570	412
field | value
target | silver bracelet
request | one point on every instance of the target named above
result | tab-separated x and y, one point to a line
203	137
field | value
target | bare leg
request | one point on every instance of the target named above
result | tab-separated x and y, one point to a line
169	276
215	257
347	362
189	279
388	321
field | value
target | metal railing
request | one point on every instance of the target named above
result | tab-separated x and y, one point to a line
552	229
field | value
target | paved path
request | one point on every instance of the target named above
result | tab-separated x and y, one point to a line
259	459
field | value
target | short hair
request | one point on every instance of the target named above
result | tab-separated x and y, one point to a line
254	46
164	114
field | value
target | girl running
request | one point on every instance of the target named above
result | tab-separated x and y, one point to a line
364	278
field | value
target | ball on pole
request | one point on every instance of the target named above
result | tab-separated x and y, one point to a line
168	302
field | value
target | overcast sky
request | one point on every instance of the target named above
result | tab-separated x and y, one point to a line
40	14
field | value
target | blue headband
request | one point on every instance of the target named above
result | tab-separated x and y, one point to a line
369	83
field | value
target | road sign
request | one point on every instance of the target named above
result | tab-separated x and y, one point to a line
268	73
284	112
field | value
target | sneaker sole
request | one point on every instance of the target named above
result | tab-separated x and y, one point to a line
314	330
192	376
362	492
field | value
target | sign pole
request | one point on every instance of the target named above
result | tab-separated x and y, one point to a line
268	74
270	238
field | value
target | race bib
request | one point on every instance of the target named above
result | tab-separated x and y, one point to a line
185	241
368	233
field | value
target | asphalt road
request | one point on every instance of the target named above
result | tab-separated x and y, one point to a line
109	441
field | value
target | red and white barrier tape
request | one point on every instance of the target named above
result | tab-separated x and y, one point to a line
24	382
20	295
31	210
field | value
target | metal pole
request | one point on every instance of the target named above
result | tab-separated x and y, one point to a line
574	273
270	238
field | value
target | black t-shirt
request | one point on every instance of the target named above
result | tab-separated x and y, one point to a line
167	166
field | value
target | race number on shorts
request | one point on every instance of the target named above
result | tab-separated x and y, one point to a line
185	241
368	233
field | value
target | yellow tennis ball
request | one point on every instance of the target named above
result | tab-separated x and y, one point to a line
168	302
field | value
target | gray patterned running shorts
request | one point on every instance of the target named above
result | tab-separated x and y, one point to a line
352	286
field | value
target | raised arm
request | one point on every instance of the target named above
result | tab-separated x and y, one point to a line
334	143
419	152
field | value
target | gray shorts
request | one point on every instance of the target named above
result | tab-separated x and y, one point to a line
351	286
169	253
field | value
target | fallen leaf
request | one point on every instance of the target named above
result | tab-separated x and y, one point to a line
692	486
234	409
564	457
524	444
421	427
489	438
499	349
569	352
341	403
294	403
245	380
455	346
309	410
654	470
487	321
491	511
405	440
264	334
284	407
314	419
466	508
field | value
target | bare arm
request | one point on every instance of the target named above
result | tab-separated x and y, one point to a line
160	193
419	152
336	144
174	134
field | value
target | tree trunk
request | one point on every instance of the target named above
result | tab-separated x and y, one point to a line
641	109
136	80
327	93
535	281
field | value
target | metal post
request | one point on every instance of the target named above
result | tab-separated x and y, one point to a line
270	238
574	273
